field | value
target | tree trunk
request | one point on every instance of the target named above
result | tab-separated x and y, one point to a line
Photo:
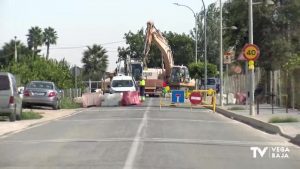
47	55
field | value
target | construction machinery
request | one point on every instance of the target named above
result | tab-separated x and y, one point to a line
177	77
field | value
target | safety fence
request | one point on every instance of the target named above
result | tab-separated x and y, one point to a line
191	99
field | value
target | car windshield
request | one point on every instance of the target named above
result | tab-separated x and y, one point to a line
4	82
40	85
122	83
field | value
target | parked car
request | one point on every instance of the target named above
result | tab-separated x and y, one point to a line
41	93
10	100
122	83
212	83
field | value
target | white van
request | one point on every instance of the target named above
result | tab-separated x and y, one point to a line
212	83
10	100
122	83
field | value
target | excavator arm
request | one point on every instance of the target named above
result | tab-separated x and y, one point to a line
153	34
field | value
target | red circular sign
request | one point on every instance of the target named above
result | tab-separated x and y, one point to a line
195	98
251	52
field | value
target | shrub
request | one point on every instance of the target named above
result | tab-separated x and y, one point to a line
283	120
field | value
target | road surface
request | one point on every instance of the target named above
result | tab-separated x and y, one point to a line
145	137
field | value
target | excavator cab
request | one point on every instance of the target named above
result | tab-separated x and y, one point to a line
180	74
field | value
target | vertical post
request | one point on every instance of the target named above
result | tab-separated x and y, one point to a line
205	48
272	92
221	55
293	90
16	51
196	39
75	76
227	83
252	70
196	44
90	86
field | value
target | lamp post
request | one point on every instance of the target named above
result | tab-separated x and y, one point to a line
205	48
252	80
221	56
196	28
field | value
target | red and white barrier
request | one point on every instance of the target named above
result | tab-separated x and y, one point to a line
130	98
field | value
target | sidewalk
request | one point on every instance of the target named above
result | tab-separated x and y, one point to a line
261	121
7	128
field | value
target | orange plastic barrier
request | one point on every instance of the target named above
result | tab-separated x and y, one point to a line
130	98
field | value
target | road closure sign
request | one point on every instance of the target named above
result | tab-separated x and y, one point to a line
195	98
251	52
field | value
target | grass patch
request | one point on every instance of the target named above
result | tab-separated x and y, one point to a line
30	115
283	120
236	108
68	103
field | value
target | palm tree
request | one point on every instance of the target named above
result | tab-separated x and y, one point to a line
35	39
94	62
49	38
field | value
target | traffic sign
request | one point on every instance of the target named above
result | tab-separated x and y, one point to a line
177	96
227	58
195	98
251	52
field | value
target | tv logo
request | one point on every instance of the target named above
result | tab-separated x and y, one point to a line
261	152
273	152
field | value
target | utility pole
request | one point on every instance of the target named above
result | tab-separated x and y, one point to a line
221	55
252	80
205	48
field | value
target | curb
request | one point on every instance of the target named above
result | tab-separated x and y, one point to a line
267	127
38	123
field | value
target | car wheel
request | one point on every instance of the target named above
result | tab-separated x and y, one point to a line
12	116
56	105
19	116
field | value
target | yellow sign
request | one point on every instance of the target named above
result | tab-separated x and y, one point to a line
251	52
251	65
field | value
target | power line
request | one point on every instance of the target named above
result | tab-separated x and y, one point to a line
83	46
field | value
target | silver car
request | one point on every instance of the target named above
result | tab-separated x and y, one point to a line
41	93
10	100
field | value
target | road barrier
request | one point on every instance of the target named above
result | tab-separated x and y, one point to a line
194	99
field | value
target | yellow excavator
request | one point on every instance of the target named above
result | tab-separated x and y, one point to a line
177	77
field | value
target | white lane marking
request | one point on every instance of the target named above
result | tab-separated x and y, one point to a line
112	109
39	124
158	140
150	119
137	139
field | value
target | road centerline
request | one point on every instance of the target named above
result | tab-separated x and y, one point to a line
137	139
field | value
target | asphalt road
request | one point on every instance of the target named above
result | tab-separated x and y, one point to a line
145	137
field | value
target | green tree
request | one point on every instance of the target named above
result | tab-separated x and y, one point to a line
181	46
49	38
34	39
197	70
94	62
7	53
276	30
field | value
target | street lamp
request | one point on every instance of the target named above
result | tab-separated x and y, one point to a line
252	80
196	28
221	56
205	49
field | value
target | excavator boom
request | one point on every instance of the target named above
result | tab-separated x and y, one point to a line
178	75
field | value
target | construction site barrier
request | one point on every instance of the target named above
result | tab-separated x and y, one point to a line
91	99
190	99
130	98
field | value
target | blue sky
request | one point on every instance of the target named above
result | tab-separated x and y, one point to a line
86	22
